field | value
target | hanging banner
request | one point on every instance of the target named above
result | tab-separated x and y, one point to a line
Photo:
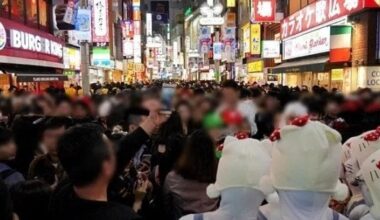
340	44
321	12
263	10
204	39
217	50
82	30
255	39
160	11
100	21
246	39
229	41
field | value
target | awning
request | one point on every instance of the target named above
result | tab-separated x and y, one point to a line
41	77
316	64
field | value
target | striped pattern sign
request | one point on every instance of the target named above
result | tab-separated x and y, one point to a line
340	44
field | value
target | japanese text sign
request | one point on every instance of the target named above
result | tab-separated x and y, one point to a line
263	10
321	12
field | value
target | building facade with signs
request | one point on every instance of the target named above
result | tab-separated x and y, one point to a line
30	57
331	43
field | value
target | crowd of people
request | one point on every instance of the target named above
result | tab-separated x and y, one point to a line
224	151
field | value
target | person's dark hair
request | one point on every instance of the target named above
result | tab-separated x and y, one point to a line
63	98
31	199
82	150
245	93
171	126
5	202
199	161
198	91
230	84
256	92
56	122
5	136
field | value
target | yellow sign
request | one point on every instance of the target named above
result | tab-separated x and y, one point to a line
130	66
246	39
255	66
231	3
255	39
336	74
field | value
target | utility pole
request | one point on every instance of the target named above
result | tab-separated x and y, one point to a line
85	59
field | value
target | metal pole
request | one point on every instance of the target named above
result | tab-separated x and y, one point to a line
217	62
85	60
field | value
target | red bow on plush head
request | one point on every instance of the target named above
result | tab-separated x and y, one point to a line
378	129
275	136
373	136
300	121
241	135
378	165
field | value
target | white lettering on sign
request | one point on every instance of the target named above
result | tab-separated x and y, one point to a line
308	44
318	13
264	8
27	41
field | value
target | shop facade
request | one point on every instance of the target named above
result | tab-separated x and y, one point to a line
323	48
29	58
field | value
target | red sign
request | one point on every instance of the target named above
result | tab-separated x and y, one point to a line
20	41
263	10
321	12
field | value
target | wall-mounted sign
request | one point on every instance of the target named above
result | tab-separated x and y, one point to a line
101	57
231	19
246	39
311	43
128	47
71	58
217	50
255	39
255	66
211	21
149	24
321	12
263	10
340	43
369	77
271	49
278	38
137	48
19	41
100	21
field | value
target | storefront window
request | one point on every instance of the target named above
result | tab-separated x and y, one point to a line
4	8
17	10
31	12
42	9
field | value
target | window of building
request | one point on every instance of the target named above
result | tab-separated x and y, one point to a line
4	8
17	10
43	16
31	13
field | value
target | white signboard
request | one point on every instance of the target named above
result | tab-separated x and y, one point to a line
128	47
369	77
311	43
271	49
149	24
211	21
137	49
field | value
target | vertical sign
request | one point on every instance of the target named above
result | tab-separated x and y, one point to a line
204	39
149	24
255	39
217	50
136	31
246	39
263	10
100	21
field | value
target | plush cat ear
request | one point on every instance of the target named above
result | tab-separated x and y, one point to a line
212	191
332	135
230	139
341	192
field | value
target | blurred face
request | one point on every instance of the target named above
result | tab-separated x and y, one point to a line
8	151
184	112
79	112
332	108
63	109
230	96
271	104
215	134
50	139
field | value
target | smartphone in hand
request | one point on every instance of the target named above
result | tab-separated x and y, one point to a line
167	96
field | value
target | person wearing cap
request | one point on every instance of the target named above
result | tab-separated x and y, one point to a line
243	163
370	174
305	169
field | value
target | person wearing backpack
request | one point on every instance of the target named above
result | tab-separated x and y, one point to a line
7	153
